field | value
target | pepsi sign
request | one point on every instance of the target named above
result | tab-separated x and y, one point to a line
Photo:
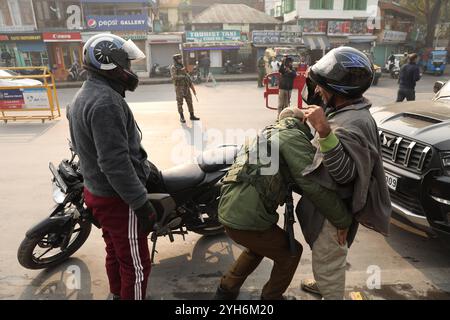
117	23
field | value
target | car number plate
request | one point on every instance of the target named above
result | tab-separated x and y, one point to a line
391	181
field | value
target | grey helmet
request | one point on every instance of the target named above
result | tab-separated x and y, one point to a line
110	56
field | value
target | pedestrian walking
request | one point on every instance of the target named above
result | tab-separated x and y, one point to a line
275	69
409	75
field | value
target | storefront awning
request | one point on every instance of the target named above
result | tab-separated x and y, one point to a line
316	42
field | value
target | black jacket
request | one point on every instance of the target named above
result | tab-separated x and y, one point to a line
287	78
108	142
409	75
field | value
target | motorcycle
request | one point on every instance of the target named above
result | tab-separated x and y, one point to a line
230	68
187	199
76	73
195	74
160	71
395	72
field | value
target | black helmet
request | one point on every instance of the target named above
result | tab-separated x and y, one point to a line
110	56
344	71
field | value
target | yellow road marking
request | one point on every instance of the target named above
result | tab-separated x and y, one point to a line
356	295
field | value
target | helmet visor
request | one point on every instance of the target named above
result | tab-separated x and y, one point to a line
134	53
309	93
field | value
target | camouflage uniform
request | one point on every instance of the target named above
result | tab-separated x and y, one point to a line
182	84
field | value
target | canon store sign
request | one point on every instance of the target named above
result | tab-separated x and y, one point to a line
61	37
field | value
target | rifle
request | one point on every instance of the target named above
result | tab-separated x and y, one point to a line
192	87
289	221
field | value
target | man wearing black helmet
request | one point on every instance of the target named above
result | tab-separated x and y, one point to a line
114	165
183	84
347	160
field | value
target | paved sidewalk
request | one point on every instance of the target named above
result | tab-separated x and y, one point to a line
162	80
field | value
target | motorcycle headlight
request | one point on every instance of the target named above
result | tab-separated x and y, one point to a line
445	157
58	195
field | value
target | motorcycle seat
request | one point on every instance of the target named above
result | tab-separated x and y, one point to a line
217	159
182	177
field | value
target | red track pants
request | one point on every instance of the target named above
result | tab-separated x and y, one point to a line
127	255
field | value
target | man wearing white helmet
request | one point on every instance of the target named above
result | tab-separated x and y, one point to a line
114	165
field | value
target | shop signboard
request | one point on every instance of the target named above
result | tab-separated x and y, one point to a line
394	36
61	37
213	36
347	28
276	37
26	98
117	23
313	26
21	37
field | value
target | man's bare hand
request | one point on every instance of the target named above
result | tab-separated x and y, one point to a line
342	236
316	116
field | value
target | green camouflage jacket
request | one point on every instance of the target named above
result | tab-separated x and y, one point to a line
252	193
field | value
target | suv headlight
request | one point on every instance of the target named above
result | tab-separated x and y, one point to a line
445	158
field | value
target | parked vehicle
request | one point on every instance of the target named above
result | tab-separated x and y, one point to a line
188	199
434	62
76	73
160	71
195	74
416	156
11	82
230	68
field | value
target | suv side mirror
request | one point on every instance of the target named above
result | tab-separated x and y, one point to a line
438	86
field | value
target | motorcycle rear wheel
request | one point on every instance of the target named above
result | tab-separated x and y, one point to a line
26	257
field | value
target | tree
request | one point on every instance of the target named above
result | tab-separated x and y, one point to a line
429	13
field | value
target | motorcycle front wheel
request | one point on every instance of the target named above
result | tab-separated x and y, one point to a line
33	250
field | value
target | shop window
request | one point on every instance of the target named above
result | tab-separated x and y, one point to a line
35	58
26	11
355	5
321	4
288	6
2	21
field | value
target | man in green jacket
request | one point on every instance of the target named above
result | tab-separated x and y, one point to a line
254	188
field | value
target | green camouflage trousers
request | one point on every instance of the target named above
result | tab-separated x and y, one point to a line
184	92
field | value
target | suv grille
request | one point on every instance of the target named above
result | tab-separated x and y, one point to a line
405	152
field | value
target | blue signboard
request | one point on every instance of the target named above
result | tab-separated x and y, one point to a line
117	23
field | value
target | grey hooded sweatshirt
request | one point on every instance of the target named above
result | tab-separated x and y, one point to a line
107	140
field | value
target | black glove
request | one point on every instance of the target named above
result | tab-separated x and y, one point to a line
147	217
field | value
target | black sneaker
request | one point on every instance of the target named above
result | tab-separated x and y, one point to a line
222	294
194	118
182	119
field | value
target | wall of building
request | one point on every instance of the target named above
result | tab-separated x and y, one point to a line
304	12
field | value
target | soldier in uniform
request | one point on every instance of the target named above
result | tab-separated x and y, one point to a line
183	85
